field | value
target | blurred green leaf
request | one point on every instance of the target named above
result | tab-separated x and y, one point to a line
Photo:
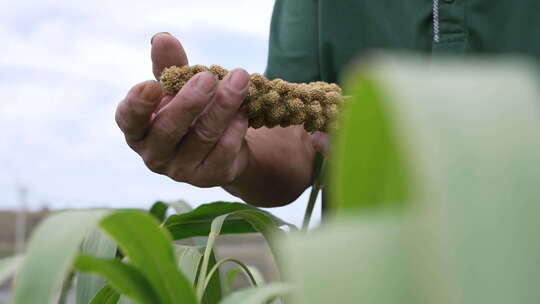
457	141
213	292
98	245
8	267
258	295
365	260
106	295
126	279
50	252
260	221
56	241
228	280
159	208
240	218
148	248
257	275
66	288
188	259
368	167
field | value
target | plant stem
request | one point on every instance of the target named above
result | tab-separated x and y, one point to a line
318	179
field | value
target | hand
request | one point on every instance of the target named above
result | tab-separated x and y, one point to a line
196	136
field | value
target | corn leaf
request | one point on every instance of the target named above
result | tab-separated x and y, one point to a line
159	209
124	278
56	242
8	267
106	295
188	259
451	146
229	278
50	252
198	221
98	245
149	249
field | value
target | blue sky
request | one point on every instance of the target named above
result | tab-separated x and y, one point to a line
64	65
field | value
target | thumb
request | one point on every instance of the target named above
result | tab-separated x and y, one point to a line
166	51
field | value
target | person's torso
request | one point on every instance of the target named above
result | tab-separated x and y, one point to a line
330	33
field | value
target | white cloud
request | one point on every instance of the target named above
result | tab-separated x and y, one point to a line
65	65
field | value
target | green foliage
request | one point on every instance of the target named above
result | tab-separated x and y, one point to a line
198	221
434	178
124	278
106	295
99	245
50	254
258	295
8	266
447	155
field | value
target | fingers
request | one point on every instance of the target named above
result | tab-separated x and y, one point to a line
134	113
225	161
166	51
173	121
210	126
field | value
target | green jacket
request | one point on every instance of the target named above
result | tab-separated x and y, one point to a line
314	39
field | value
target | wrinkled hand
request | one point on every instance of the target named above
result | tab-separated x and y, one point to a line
196	136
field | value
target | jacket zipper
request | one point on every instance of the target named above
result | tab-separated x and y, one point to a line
436	37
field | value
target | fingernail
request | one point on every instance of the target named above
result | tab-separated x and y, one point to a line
239	79
155	35
206	82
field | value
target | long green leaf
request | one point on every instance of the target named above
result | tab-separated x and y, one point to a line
258	295
215	229
98	245
455	142
241	218
159	209
213	292
198	221
148	248
106	295
260	221
126	279
188	259
364	260
8	267
51	250
229	278
369	171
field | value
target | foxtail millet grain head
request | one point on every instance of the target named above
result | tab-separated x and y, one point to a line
274	102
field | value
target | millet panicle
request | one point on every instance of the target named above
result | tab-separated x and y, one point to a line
275	102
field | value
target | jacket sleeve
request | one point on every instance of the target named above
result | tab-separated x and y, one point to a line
293	53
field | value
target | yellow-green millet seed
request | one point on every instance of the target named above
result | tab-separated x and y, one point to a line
275	102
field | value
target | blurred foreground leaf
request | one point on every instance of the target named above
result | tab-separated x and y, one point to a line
56	242
448	152
96	244
8	267
106	295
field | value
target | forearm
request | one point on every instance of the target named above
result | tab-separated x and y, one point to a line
279	167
